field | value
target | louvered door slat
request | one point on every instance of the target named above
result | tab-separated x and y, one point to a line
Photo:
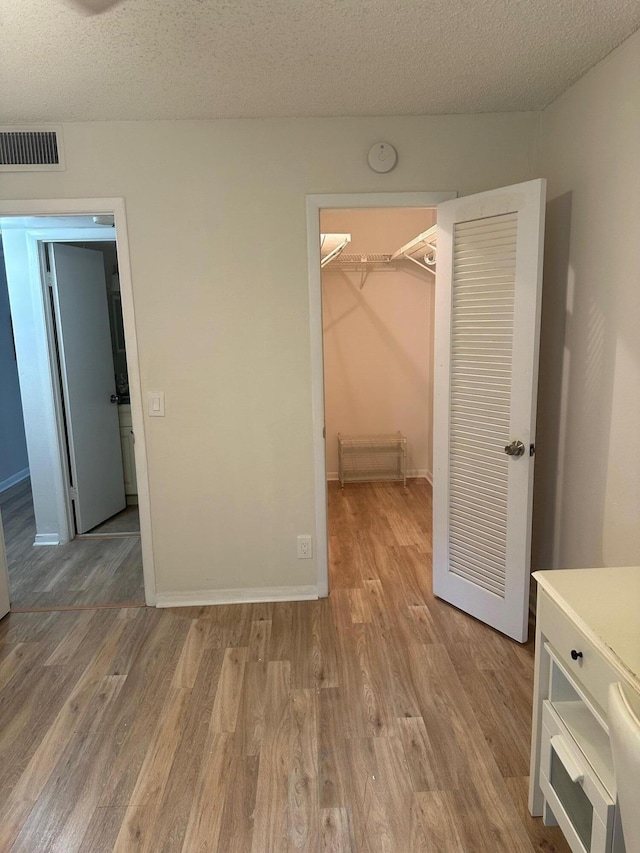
477	464
462	506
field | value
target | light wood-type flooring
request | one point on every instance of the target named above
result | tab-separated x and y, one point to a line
379	720
82	573
123	523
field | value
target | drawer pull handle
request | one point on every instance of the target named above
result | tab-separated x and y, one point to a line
576	774
575	655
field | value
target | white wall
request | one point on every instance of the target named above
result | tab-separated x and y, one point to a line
217	230
14	464
378	338
587	500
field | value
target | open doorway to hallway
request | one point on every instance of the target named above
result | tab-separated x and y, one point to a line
71	524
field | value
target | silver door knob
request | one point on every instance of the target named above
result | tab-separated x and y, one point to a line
516	448
115	398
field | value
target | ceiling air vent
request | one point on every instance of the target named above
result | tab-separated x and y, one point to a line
31	149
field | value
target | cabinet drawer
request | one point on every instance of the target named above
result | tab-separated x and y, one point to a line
590	669
579	802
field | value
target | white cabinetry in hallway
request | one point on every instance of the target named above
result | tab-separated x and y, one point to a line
127	441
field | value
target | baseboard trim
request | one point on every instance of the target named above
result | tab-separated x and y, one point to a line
206	597
14	479
420	474
46	539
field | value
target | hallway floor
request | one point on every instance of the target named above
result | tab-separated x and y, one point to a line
82	573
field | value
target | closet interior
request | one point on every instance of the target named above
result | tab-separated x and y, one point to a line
378	277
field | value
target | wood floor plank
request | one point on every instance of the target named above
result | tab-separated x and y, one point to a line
15	661
192	651
156	766
13	814
138	709
330	750
436	811
259	640
205	819
302	804
324	664
175	808
240	804
420	754
281	643
225	709
106	694
374	696
68	647
251	711
63	812
270	834
103	830
369	815
336	835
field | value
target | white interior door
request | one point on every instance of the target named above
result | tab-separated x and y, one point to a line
4	576
88	383
488	297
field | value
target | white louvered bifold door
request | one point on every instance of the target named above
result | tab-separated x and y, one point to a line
488	289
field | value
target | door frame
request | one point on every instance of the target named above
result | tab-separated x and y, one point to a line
93	207
316	203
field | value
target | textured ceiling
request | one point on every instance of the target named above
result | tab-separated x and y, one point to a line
169	59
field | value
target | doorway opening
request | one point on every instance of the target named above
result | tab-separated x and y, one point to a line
357	294
71	417
378	293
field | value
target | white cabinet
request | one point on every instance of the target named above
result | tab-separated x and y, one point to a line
587	636
127	442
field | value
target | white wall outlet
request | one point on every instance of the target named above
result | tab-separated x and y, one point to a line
305	547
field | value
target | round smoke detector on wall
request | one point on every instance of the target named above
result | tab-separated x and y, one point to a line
382	157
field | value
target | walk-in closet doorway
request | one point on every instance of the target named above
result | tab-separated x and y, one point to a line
371	302
488	293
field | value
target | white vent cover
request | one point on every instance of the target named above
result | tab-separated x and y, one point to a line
31	149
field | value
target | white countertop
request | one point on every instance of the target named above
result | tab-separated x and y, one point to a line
605	605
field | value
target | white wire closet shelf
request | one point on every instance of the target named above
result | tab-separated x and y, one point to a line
331	247
372	458
420	251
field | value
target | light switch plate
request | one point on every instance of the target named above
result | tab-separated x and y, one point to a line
156	404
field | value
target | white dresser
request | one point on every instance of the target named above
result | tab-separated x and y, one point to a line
587	636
